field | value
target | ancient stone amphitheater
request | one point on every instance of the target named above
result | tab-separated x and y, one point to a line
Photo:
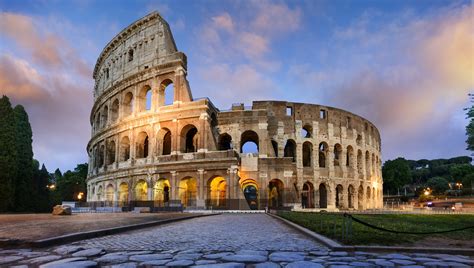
154	145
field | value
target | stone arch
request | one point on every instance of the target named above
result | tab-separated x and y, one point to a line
110	152
123	194
275	193
127	104
374	198
130	55
337	154
323	196
290	149
161	192
350	156
224	142
189	139
307	195
114	111
323	149
166	92
350	196
367	164
109	194
217	192
368	198
250	188
101	155
307	154
187	191
360	168
164	141
359	140
142	145
373	164
275	147
100	193
125	149
248	136
97	122
339	196
141	190
360	198
105	116
307	131
145	96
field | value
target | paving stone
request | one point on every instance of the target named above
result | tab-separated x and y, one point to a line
458	259
188	256
151	257
13	251
180	263
304	264
63	250
19	266
339	266
224	265
44	259
75	264
402	262
435	264
266	265
287	256
396	256
244	258
338	253
156	262
384	263
138	252
216	256
125	265
319	253
457	264
252	252
112	258
91	252
412	266
8	259
33	254
63	261
343	259
424	259
361	264
203	262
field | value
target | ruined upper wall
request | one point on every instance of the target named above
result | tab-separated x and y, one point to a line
145	43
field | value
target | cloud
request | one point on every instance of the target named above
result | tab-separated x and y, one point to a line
276	18
223	21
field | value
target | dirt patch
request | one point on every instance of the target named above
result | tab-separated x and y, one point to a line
443	242
31	227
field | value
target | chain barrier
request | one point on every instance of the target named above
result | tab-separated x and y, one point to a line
349	216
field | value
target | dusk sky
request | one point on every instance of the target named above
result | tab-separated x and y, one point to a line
407	66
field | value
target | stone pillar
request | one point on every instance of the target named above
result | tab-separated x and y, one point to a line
342	162
200	202
174	188
203	127
331	195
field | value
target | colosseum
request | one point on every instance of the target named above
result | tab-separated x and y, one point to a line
154	145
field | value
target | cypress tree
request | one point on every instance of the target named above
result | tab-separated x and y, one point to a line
24	177
8	154
43	201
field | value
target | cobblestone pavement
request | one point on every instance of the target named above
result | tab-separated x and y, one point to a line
218	241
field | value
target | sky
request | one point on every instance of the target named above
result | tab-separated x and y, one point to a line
407	66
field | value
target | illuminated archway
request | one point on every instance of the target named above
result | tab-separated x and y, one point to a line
250	189
109	194
217	190
141	191
323	196
275	193
188	192
123	194
161	192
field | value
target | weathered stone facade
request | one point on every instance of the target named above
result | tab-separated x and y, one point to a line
150	152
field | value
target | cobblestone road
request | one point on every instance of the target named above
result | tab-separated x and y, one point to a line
228	240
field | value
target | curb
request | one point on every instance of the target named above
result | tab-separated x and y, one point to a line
335	246
90	234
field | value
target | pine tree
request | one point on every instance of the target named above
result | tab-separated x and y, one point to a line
24	177
8	155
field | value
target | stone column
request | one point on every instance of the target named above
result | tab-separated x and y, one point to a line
201	198
174	188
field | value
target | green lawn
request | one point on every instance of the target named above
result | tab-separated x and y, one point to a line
331	225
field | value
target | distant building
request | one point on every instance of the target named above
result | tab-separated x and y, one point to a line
154	145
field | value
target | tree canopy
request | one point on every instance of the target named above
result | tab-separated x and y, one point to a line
396	173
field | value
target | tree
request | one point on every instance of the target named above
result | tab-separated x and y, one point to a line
24	176
8	155
439	185
396	173
470	126
41	181
71	183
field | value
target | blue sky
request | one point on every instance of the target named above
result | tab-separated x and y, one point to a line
405	65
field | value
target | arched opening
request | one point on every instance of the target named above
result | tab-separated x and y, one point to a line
250	189
307	195
323	149
127	104
142	145
306	131
350	157
367	164
337	154
123	194
109	195
101	155
225	142
360	198
374	198
166	92
368	200
359	162
130	55
350	196
125	149
161	192
189	139
97	122
307	153
323	196
111	152
188	192
373	164
275	193
141	191
114	111
275	147
339	196
359	140
167	143
145	99
217	192
100	194
249	142
290	149
105	116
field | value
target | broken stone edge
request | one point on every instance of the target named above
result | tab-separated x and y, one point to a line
335	246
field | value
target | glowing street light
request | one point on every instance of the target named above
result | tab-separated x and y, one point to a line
80	195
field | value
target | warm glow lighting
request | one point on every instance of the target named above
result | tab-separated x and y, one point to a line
80	195
427	192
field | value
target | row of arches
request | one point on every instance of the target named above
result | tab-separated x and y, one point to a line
144	101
